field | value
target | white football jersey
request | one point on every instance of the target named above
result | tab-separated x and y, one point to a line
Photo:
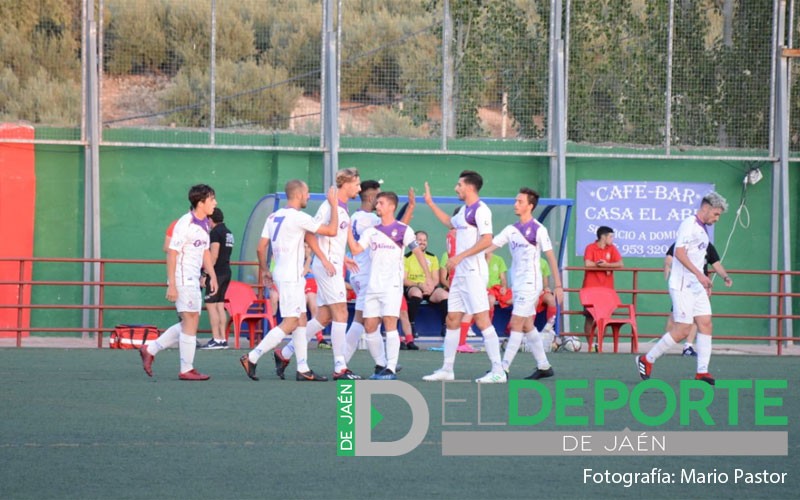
692	235
386	244
360	222
471	222
190	239
526	242
334	247
286	229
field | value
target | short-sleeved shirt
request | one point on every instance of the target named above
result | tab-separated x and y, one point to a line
497	266
594	253
693	236
415	272
286	229
386	244
471	222
190	239
222	235
334	247
526	242
712	257
360	222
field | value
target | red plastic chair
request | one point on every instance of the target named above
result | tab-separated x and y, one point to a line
243	306
603	303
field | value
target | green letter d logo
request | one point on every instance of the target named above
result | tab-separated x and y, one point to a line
420	417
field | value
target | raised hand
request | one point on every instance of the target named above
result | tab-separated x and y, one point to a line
427	196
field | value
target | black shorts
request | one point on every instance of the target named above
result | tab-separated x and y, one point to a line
419	286
223	280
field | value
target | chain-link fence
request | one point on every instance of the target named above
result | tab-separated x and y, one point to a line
417	75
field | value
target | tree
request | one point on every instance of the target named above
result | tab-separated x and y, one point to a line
248	95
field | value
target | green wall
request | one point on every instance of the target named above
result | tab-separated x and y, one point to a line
144	189
749	247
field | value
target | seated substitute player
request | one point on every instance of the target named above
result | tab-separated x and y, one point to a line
285	230
418	286
690	289
497	287
188	252
599	256
386	242
527	240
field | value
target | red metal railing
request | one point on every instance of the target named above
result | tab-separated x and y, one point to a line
576	273
101	306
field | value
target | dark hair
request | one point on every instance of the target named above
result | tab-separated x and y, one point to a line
388	194
602	230
421	232
533	196
472	178
217	216
200	192
369	184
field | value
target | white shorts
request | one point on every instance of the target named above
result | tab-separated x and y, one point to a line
378	305
525	302
291	298
359	284
189	299
468	295
689	303
330	289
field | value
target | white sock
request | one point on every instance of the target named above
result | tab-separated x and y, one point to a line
187	346
166	340
269	342
492	344
312	328
338	345
534	341
376	347
392	349
703	352
451	338
687	345
288	350
514	341
301	348
353	337
662	346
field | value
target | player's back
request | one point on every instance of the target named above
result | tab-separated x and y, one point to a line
286	229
